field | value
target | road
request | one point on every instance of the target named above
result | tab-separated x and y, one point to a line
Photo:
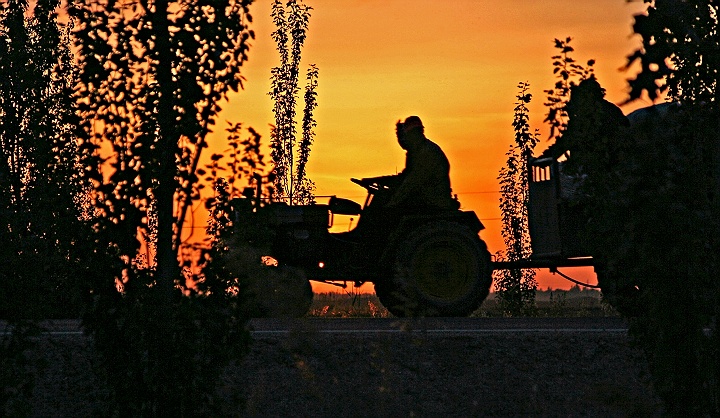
501	367
437	326
449	326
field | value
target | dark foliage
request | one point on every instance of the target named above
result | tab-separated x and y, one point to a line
567	71
152	76
680	53
17	370
652	231
515	289
44	218
43	190
240	165
290	154
651	194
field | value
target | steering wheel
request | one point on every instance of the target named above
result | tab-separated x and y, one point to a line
370	185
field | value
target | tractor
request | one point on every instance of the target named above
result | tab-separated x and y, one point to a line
421	263
430	263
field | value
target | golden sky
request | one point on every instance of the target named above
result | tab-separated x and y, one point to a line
454	63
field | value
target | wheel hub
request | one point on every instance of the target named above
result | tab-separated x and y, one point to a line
443	271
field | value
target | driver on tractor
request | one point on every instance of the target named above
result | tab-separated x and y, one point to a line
424	185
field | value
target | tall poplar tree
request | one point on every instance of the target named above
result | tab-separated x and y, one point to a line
46	241
516	287
153	74
41	182
290	154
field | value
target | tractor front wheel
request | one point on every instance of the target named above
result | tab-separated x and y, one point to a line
284	292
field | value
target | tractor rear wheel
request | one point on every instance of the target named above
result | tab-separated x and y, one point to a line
619	292
441	269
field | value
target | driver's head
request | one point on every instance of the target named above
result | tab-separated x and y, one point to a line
413	132
400	133
412	124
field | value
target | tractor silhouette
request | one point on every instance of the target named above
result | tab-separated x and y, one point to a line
431	263
421	264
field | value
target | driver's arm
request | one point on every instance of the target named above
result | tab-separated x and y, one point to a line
388	181
410	186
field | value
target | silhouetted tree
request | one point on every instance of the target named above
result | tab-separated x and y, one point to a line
666	212
291	182
153	75
238	168
44	231
650	193
42	185
516	288
680	53
240	164
568	72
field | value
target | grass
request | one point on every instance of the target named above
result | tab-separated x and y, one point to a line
557	303
549	303
347	305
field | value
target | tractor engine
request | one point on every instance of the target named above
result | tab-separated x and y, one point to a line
300	235
300	232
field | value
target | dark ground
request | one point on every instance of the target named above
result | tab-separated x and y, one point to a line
306	372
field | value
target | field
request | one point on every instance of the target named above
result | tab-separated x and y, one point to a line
549	303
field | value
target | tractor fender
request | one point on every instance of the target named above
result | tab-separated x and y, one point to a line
412	222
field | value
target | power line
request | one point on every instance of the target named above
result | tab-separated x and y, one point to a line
205	227
457	193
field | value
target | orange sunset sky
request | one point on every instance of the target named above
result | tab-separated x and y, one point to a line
456	64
